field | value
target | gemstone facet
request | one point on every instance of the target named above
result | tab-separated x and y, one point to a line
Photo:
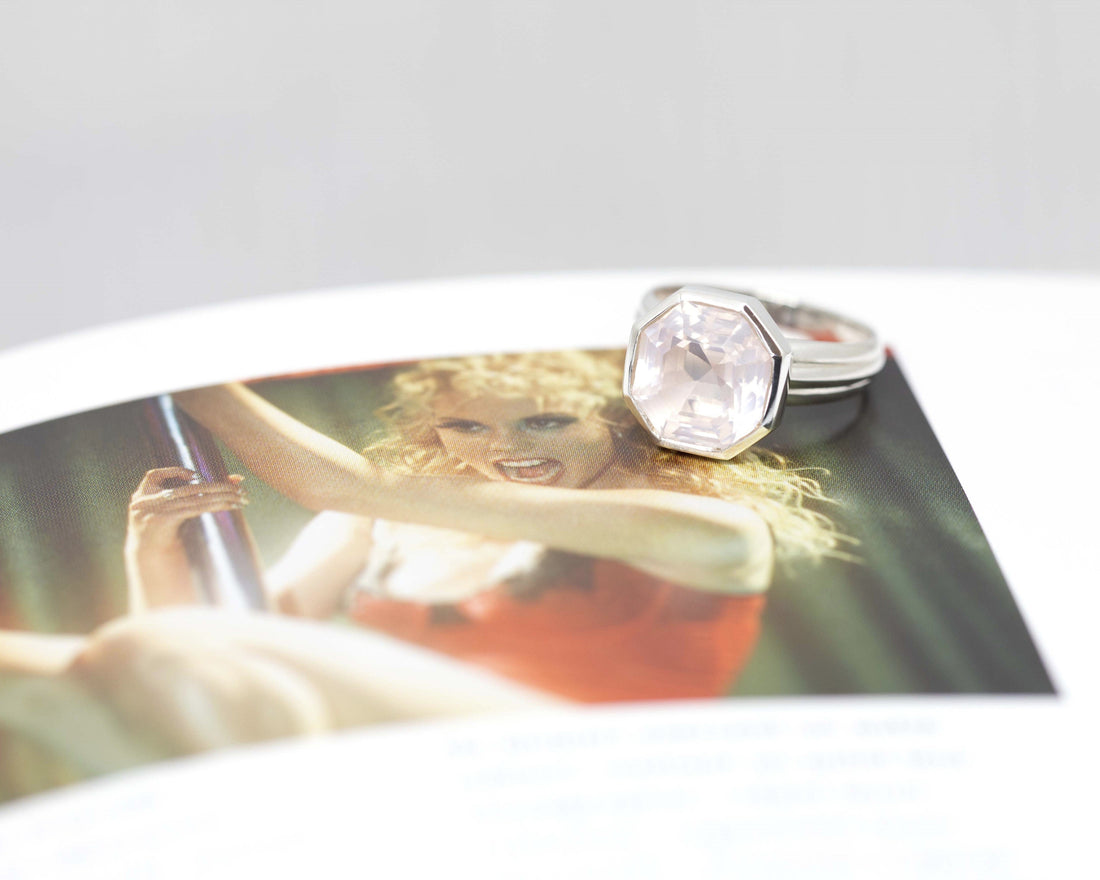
704	376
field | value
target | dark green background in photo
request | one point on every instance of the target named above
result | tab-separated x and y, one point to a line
926	610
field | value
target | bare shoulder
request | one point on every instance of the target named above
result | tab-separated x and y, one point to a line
327	534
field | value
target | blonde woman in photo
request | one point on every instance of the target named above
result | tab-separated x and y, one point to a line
511	539
514	516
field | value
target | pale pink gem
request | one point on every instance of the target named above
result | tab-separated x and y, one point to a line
702	376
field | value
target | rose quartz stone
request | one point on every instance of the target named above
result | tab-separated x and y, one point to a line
702	376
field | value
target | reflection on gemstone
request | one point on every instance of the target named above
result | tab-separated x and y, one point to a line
702	376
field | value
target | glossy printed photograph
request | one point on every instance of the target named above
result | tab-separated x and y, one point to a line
302	554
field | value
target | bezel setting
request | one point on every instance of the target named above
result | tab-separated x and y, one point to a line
764	330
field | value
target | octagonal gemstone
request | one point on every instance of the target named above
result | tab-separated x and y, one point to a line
702	376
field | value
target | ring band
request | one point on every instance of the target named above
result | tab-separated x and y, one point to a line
709	370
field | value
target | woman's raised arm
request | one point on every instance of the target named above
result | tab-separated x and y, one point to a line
302	463
707	543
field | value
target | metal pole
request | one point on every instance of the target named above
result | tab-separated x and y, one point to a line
219	545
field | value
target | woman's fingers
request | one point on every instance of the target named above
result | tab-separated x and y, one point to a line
178	494
187	507
163	478
181	481
211	493
202	490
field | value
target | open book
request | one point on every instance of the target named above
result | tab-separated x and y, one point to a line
414	594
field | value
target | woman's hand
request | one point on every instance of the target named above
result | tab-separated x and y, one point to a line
156	564
168	497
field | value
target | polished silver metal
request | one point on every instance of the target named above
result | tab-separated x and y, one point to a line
805	369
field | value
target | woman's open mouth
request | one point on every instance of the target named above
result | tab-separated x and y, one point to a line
529	470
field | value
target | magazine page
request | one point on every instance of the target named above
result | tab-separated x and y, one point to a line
414	590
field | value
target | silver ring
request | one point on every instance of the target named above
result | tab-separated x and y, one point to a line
709	371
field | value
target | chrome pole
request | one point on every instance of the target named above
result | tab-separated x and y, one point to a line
219	545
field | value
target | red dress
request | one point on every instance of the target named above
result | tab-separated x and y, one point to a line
621	636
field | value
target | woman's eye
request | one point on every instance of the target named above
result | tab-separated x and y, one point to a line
548	422
463	426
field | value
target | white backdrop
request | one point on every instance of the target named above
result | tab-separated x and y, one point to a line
155	155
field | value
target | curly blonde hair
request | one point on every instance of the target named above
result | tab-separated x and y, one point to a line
588	384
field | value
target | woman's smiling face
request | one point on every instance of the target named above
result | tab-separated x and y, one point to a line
513	439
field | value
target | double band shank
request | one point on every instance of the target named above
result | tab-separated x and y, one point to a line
820	369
